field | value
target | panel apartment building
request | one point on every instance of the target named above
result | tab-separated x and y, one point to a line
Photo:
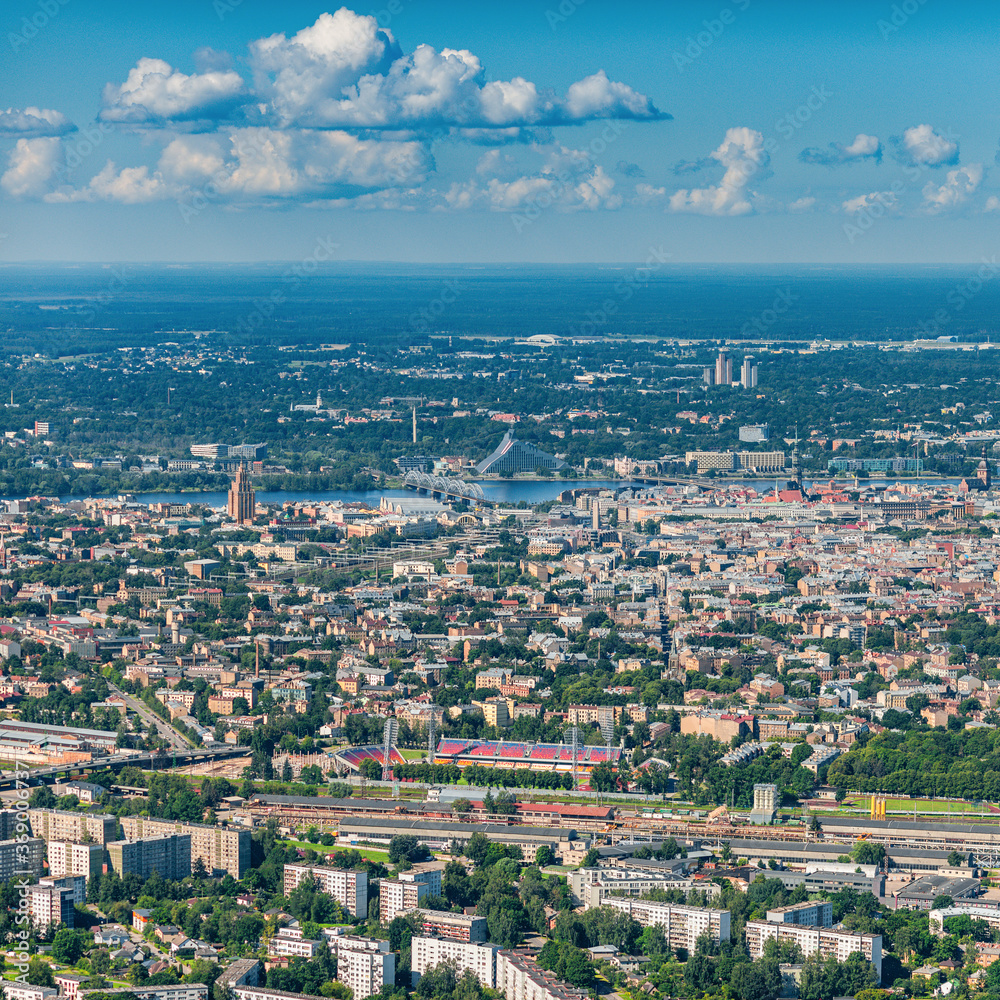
21	858
50	905
456	926
479	959
682	925
811	913
67	858
400	895
350	889
169	855
363	964
824	940
58	824
219	849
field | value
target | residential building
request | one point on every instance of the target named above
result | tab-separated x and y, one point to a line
220	849
838	943
682	925
479	959
50	906
348	888
67	858
365	965
77	885
168	854
21	858
399	895
456	926
59	824
811	913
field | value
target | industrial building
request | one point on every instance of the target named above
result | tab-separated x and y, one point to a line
443	834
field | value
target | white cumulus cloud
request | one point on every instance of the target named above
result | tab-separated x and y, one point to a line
923	146
154	92
864	147
31	166
957	187
884	199
34	123
743	155
130	186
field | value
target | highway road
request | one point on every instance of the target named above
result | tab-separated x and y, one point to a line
148	716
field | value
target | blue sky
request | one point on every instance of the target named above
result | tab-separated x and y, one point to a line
528	130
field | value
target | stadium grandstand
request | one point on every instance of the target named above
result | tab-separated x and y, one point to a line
353	756
537	756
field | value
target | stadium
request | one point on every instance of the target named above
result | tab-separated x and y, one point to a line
536	756
353	756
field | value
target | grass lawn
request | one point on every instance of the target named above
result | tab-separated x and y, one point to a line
370	853
413	754
921	805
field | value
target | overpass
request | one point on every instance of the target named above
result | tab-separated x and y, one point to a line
157	760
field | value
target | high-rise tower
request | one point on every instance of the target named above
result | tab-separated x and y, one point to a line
241	498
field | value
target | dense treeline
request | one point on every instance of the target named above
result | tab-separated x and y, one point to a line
961	764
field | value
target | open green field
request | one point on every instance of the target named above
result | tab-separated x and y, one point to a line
413	754
904	806
369	853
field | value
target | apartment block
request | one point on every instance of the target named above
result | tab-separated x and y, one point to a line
67	858
219	848
170	855
811	913
49	905
682	925
291	941
824	940
520	977
365	965
479	959
399	895
455	926
77	885
21	858
350	889
58	824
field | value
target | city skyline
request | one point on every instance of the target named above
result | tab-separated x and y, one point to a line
531	131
